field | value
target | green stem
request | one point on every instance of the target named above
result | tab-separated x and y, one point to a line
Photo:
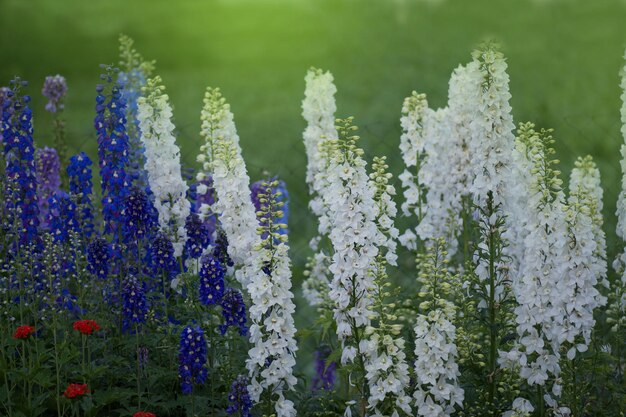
138	367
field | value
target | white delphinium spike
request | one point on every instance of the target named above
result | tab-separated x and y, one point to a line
354	236
387	372
222	157
272	333
521	407
163	163
415	112
621	201
539	313
436	370
586	253
318	110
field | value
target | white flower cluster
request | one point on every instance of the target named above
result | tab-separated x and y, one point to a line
586	255
354	235
620	263
318	110
163	163
222	157
385	208
521	407
540	309
437	390
263	270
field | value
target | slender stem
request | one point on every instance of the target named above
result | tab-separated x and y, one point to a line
138	367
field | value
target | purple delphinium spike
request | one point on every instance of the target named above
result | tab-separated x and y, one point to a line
48	168
54	89
239	398
233	311
79	173
135	305
192	358
324	374
211	280
20	163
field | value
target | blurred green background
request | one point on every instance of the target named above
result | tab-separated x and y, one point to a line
564	58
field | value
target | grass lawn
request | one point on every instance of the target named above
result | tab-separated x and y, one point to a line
564	57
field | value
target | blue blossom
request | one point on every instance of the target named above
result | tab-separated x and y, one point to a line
132	82
20	162
110	124
220	250
54	89
239	398
324	373
162	257
62	216
211	280
140	216
79	173
192	358
98	257
48	167
198	236
135	305
233	311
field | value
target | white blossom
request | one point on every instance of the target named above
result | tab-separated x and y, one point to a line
162	163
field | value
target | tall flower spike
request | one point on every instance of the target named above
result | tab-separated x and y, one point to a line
110	124
79	173
586	254
318	110
48	179
20	162
192	358
221	156
272	333
163	163
620	262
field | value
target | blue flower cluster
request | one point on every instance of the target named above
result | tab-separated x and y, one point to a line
110	124
198	236
98	256
135	305
211	280
220	250
239	397
192	358
233	311
141	218
131	83
20	162
162	258
324	373
62	216
79	173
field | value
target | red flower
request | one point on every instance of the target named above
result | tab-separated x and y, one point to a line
23	332
86	326
144	414
75	390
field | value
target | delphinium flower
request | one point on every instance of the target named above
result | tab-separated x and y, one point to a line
5	100
198	236
238	398
437	389
54	89
318	110
220	249
325	373
135	305
98	257
521	407
163	163
415	112
233	311
20	163
48	179
205	196
587	256
211	280
80	185
62	218
387	371
140	221
540	306
272	332
110	124
133	75
192	359
221	156
162	259
257	188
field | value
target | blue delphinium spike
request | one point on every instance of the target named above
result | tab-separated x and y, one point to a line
135	305
80	181
198	236
62	217
233	311
211	280
192	358
98	257
239	400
